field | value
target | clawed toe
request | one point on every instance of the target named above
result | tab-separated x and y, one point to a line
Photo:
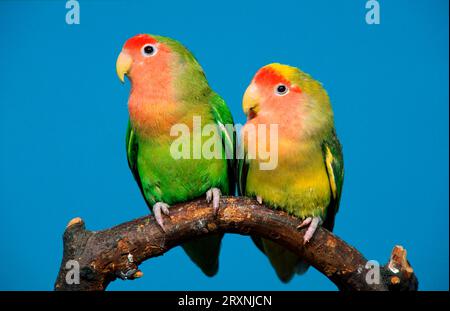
312	223
213	195
305	222
160	208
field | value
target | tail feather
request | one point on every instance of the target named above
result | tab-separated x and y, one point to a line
204	252
285	262
302	267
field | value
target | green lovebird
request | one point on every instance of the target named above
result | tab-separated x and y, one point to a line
169	87
307	180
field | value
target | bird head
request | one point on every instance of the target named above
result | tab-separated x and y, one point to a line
142	54
286	95
159	65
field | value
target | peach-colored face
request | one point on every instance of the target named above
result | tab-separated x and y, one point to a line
147	60
272	96
271	99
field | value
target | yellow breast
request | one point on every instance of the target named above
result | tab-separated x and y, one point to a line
299	184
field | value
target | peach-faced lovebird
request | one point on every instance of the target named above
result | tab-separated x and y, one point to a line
307	180
169	87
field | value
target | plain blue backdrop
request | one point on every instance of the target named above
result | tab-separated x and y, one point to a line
63	117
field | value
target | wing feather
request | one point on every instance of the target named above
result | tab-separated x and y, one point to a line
224	120
334	162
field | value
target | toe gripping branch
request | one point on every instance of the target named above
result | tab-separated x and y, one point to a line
93	259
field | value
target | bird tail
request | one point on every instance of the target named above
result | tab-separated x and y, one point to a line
204	252
302	267
285	262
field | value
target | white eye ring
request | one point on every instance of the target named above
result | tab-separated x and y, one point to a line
281	90
149	50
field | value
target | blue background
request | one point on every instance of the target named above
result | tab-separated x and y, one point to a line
63	116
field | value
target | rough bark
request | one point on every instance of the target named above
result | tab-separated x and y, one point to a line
105	255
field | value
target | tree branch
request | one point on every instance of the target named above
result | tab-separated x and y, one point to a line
103	256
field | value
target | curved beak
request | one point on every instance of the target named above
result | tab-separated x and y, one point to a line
250	102
123	65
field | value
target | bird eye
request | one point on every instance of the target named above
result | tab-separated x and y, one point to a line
149	50
281	90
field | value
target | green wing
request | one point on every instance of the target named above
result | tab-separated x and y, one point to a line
224	120
334	162
132	146
242	171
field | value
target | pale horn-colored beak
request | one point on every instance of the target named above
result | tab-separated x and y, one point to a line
250	102
123	65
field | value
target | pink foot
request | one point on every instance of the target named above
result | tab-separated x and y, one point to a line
313	223
159	207
213	195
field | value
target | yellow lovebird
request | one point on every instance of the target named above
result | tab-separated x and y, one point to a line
307	180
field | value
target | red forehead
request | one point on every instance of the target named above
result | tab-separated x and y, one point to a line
269	76
138	41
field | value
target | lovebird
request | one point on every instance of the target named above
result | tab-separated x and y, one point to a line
169	87
307	180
